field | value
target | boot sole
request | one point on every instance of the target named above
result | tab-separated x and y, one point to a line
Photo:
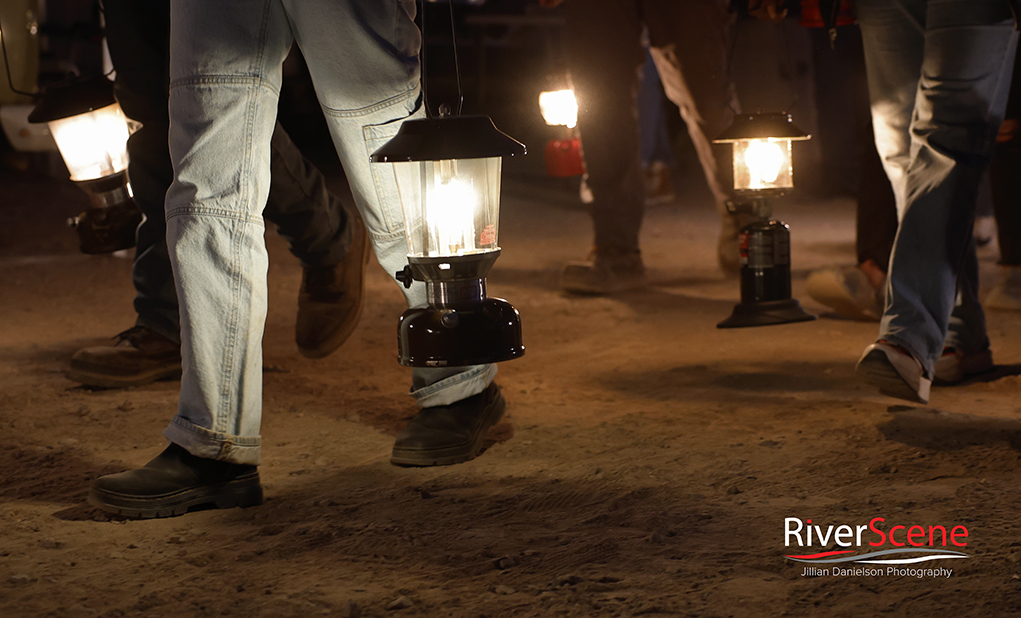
242	492
332	343
454	454
876	369
105	380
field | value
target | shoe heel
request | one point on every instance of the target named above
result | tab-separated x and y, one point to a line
241	493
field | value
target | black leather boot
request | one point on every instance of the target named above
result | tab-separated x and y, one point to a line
175	482
443	435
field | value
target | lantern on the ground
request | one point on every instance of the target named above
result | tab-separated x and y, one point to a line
562	154
763	169
91	133
448	175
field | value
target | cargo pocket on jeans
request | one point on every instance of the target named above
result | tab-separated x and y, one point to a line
383	177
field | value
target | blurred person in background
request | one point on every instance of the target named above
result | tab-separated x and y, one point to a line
688	43
1005	173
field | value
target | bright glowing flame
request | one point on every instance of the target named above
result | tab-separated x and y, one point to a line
765	161
93	144
559	107
450	212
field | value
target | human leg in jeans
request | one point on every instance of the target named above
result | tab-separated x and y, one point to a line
658	160
956	57
1006	192
225	76
313	221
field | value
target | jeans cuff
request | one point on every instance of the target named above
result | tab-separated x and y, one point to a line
202	442
455	388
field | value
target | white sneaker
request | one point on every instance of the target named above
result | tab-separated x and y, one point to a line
1006	294
894	371
954	365
846	290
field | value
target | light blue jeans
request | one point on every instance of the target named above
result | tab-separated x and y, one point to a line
939	73
225	75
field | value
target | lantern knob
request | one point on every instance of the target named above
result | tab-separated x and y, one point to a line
405	277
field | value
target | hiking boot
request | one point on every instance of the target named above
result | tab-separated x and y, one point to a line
443	435
604	273
174	483
1006	294
139	357
848	291
895	371
955	365
331	298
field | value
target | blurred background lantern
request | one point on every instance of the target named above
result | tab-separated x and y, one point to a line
562	154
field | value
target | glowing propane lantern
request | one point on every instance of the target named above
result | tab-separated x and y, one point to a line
763	168
93	144
92	133
559	107
562	154
448	177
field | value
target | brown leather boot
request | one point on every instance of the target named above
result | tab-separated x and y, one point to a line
604	273
174	483
139	357
330	300
444	435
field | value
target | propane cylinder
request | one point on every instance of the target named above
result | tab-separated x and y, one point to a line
563	158
765	250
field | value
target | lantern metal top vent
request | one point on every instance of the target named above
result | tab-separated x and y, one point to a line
448	175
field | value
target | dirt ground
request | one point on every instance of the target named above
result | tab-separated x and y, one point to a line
646	464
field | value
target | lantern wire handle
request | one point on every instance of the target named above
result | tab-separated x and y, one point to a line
457	65
425	83
790	65
7	66
732	52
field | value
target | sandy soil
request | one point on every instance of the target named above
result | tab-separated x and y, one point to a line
645	466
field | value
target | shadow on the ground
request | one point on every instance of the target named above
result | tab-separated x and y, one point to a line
383	515
937	430
996	373
750	380
53	475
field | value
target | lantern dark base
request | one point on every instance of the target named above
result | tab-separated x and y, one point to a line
488	332
766	313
